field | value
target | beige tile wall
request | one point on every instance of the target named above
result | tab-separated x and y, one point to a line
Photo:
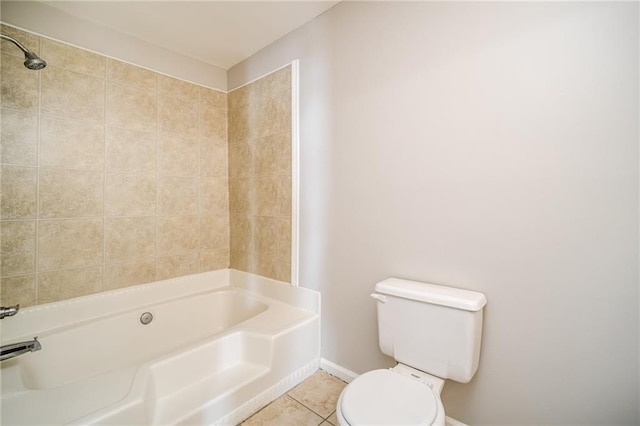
260	176
112	175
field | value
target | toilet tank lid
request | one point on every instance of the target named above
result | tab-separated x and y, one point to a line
432	293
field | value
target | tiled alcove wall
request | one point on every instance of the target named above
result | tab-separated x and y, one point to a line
112	175
260	176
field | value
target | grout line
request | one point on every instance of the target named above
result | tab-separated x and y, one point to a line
104	180
96	170
157	178
199	180
37	236
317	414
46	271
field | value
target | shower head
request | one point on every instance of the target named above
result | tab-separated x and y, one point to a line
31	60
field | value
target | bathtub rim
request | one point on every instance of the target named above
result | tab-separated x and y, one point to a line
34	320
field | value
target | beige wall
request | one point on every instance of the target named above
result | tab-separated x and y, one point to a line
488	146
112	175
260	176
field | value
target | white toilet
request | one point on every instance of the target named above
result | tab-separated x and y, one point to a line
434	333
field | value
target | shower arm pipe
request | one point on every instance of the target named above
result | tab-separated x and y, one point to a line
16	42
31	60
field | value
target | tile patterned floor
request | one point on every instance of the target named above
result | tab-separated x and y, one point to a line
311	403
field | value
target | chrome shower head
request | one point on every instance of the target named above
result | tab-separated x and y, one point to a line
31	60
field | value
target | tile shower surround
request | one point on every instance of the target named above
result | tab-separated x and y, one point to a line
113	175
260	176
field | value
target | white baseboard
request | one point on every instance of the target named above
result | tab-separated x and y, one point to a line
348	375
338	371
453	422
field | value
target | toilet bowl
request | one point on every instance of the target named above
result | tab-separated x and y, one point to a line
397	396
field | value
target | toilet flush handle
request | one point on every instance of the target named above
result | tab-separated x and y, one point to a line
379	297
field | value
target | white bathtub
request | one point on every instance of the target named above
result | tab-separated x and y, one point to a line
221	345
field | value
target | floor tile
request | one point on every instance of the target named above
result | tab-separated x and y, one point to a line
319	392
284	411
333	419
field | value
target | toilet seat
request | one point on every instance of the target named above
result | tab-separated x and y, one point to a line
385	397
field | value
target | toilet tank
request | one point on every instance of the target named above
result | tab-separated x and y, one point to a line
432	328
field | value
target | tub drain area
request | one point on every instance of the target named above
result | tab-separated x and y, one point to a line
146	318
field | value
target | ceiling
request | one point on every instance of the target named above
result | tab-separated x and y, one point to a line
219	33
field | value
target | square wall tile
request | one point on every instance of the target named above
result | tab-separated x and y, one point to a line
178	195
61	285
283	238
239	260
177	155
18	243
72	95
176	88
126	274
128	238
272	114
282	270
266	233
212	260
18	137
241	96
239	122
131	108
177	235
213	124
241	159
73	59
18	192
70	193
266	195
213	159
274	82
242	196
130	195
18	85
212	98
273	155
176	266
283	200
242	229
214	232
282	119
131	75
18	290
130	150
264	265
71	144
64	244
214	196
178	117
29	40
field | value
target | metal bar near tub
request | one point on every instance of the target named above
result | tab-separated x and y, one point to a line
15	349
